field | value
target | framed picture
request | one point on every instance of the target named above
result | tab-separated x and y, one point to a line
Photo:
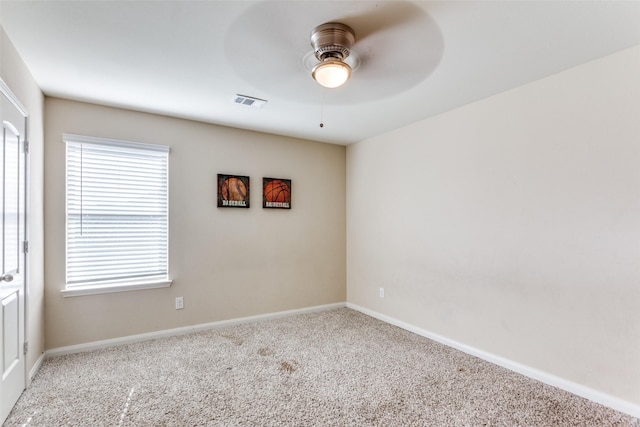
233	191
276	193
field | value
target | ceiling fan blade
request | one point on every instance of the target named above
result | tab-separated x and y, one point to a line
382	17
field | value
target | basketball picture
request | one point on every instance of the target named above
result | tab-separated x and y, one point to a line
276	193
233	191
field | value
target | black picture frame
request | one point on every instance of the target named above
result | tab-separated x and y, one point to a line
233	191
276	193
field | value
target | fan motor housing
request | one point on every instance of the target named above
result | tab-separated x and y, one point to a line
332	40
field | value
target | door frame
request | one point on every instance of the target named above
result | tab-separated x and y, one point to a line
6	90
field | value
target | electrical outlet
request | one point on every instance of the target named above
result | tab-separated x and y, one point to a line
381	292
179	303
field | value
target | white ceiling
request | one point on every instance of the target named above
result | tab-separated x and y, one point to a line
416	59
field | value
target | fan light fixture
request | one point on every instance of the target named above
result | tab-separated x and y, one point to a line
331	73
331	43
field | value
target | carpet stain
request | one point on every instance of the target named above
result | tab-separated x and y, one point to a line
234	339
265	351
288	367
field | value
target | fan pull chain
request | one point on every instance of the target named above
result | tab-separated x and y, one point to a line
321	105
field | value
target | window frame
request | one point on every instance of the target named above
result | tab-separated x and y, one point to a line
109	286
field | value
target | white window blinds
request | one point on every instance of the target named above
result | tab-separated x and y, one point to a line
117	212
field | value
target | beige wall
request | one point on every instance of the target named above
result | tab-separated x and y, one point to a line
15	74
226	263
512	225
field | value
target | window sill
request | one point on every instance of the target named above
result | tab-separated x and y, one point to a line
107	289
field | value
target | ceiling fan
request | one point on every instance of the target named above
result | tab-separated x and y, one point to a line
332	44
287	49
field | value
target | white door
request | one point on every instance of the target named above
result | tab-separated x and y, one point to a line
12	251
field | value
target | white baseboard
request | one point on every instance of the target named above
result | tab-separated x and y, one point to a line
184	330
544	377
36	367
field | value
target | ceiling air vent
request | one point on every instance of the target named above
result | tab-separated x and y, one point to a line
249	101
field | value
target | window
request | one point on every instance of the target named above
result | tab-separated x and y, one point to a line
117	215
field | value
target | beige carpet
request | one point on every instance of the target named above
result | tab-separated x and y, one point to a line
331	368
